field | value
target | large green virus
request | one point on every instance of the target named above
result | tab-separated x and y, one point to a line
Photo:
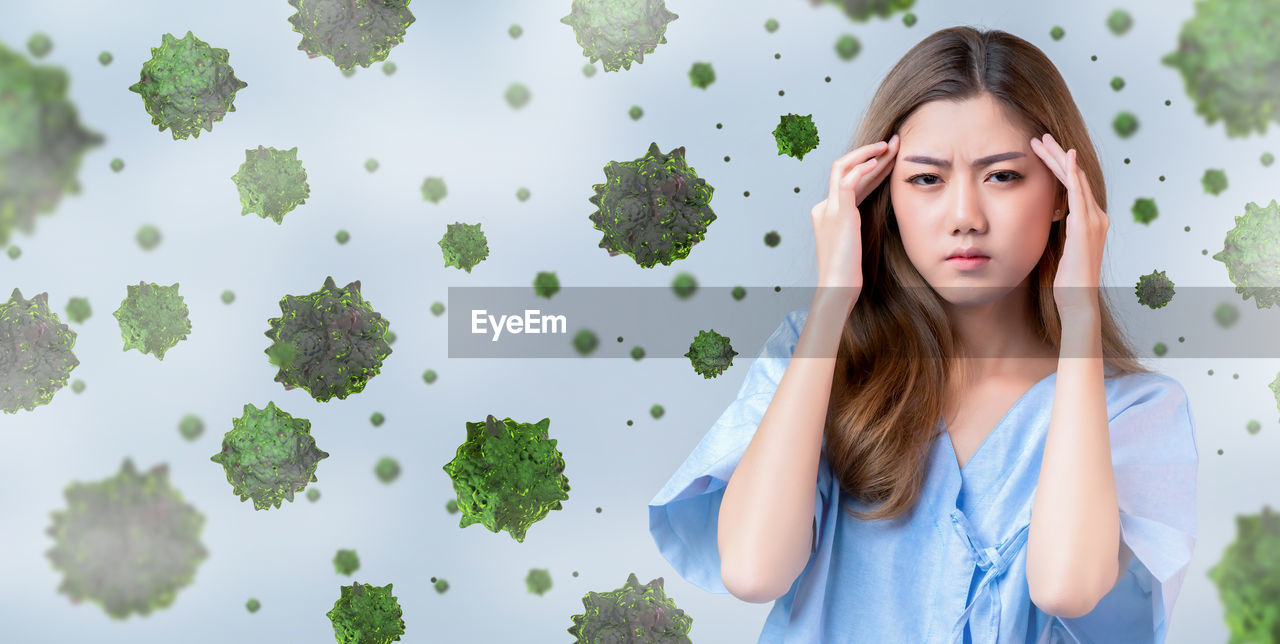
35	352
187	85
796	135
366	614
268	455
619	32
864	10
1154	290
128	543
153	318
1230	63
1248	579
463	245
710	354
632	613
1251	252
350	32
508	475
654	208
41	142
334	337
271	182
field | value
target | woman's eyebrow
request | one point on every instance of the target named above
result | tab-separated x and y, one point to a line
984	161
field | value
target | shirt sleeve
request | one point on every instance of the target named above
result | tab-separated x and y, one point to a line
1154	454
683	517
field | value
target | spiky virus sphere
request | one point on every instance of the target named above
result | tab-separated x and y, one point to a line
41	142
366	614
464	245
654	209
271	182
710	354
346	562
1154	290
350	32
538	581
632	613
1229	62
128	543
35	352
619	32
152	318
187	85
1251	252
268	455
864	10
1248	578
508	475
796	135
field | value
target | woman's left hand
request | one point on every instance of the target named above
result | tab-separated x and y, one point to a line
1075	287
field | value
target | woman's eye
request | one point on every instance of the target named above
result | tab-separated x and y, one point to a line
1010	177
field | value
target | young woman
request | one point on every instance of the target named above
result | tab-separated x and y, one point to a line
985	459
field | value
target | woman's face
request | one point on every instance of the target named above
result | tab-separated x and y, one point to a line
1002	207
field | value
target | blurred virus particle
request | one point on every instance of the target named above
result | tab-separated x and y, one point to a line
657	411
1154	290
429	376
702	75
1229	63
1248	578
619	32
772	239
388	68
538	581
1117	83
588	70
864	10
271	183
366	614
771	25
105	58
635	112
546	284
653	209
637	353
464	245
387	469
342	237
187	85
228	297
1144	210
41	142
128	543
39	44
371	164
35	352
643	613
1253	427
1057	33
514	31
1125	124
440	585
710	354
1251	252
1267	159
437	308
148	237
1226	314
585	341
117	164
848	47
451	506
795	135
517	95
507	475
268	455
390	337
152	318
14	251
522	194
313	494
190	427
684	285
252	605
738	293
433	189
1214	181
1119	22
350	32
346	562
1160	349
78	309
377	418
909	19
333	341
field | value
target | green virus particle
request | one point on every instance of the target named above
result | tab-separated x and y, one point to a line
546	284
437	308
684	285
517	95
538	581
14	251
313	494
522	194
388	68
78	309
635	112
1248	578
105	58
190	427
588	70
702	75
371	165
619	32
440	585
117	164
1144	210
338	338
228	296
1160	349
464	245
429	376
252	605
152	318
632	613
710	354
654	209
268	455
796	135
771	25
348	73
1117	83
738	293
772	239
376	419
77	385
148	237
187	85
35	351
1229	63
366	614
1251	252
346	562
1253	427
585	341
637	353
1119	22
1125	124
864	10
514	31
1226	314
909	19
507	475
350	32
451	506
1057	33
1267	159
1214	181
40	44
342	237
271	183
847	47
390	337
128	543
656	411
1154	290
41	142
433	189
387	469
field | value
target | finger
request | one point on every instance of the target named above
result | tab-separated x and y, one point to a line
845	198
1075	204
840	166
1086	193
1055	166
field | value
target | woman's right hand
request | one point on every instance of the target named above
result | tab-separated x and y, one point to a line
837	226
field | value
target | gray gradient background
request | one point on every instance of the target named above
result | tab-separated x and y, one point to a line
442	113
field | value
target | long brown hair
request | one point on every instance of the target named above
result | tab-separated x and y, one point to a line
885	401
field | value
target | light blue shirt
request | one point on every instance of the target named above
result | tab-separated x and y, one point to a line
954	568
